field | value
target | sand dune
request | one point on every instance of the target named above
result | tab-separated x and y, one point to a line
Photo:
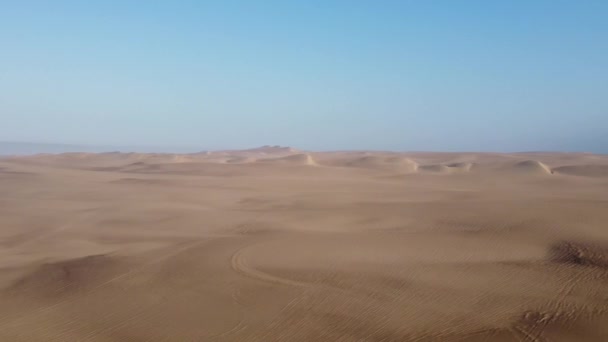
294	159
63	278
461	166
239	160
580	254
402	164
527	167
434	168
380	162
257	245
583	170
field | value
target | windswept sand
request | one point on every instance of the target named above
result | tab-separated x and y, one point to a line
276	244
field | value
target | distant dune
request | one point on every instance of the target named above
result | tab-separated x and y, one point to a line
583	170
399	163
528	167
239	160
295	159
434	168
460	166
586	165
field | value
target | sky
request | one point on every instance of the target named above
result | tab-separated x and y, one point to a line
433	75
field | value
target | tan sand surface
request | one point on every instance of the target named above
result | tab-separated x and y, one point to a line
277	244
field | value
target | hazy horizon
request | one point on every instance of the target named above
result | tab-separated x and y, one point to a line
338	75
8	148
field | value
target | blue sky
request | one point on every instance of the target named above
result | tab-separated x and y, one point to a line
395	75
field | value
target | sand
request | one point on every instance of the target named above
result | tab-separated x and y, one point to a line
276	244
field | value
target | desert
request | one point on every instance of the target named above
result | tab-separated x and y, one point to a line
279	244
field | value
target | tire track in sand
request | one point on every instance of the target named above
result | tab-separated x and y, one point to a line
240	266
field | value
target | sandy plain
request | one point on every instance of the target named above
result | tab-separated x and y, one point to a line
276	244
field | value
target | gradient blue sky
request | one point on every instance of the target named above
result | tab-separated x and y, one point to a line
398	75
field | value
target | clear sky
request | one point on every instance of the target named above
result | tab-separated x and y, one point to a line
314	74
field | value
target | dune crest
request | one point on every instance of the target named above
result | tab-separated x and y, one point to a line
530	167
